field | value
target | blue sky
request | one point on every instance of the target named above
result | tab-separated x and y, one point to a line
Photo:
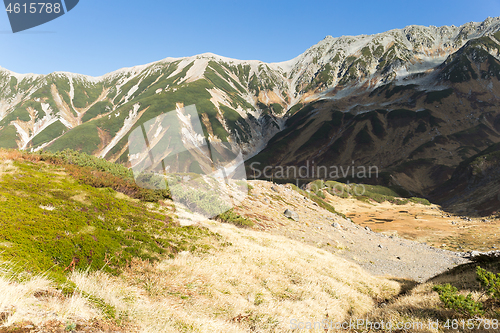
99	36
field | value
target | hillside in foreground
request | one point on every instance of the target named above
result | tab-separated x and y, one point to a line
209	277
80	256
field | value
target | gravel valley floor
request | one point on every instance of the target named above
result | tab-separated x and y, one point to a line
396	250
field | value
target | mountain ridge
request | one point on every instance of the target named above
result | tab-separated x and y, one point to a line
465	26
250	101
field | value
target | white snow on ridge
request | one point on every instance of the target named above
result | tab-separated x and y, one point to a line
21	77
127	125
70	75
197	70
285	66
181	66
132	91
477	29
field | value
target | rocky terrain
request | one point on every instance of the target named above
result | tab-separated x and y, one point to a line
249	101
386	253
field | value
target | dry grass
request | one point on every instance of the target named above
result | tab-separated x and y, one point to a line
35	299
259	283
6	167
10	154
7	157
421	304
16	155
418	306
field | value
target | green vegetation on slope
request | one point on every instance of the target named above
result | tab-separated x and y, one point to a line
364	192
48	134
99	173
86	93
8	136
53	223
466	305
236	124
97	109
83	138
232	217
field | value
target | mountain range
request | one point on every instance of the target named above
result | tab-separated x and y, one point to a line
415	102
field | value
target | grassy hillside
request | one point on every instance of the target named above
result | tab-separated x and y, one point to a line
76	253
54	219
102	253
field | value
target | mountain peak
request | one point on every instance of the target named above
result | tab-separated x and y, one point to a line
245	99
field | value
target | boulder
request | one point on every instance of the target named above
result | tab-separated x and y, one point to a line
291	215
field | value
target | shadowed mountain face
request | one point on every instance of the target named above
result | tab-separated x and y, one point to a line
474	187
413	102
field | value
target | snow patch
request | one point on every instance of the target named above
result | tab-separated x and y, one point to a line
71	92
127	126
197	70
132	91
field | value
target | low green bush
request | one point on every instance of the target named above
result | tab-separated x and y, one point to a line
99	173
51	223
231	217
367	193
317	187
421	201
465	305
398	201
490	282
73	157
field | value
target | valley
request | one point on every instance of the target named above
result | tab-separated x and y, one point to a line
424	224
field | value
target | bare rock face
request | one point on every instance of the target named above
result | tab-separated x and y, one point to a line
291	215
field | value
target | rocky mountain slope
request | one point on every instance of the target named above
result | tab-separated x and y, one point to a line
414	126
95	115
382	254
240	101
474	187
